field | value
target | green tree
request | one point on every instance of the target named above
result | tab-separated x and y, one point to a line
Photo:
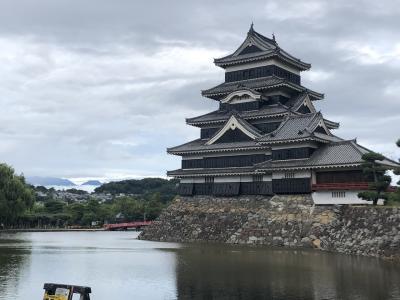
76	212
395	197
54	207
15	196
131	208
373	169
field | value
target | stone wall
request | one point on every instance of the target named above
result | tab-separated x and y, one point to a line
285	220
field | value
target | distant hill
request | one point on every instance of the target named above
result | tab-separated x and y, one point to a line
145	187
47	181
92	182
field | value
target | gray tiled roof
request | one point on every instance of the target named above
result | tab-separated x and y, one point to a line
223	115
295	102
214	171
256	84
268	47
294	127
199	145
248	126
342	153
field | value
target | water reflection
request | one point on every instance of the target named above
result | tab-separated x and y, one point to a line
224	273
117	266
13	256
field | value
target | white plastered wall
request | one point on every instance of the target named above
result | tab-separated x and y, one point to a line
350	197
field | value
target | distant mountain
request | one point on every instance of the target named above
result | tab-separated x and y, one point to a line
47	181
92	182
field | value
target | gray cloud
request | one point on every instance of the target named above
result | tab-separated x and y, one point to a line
100	88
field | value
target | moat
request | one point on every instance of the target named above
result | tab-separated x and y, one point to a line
118	266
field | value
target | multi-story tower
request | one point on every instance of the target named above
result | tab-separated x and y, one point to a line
267	137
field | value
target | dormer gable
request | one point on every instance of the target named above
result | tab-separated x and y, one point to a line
250	48
235	130
304	106
318	126
242	95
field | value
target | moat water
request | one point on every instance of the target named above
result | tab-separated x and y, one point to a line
118	266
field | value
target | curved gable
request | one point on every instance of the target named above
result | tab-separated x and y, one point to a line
235	130
243	95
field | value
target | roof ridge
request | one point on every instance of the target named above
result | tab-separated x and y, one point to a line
195	140
210	113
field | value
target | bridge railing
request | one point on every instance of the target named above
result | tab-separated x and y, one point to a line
126	225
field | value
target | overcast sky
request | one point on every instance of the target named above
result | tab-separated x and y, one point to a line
99	89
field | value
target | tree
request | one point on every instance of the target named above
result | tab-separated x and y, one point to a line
54	207
76	212
15	196
395	197
373	169
131	208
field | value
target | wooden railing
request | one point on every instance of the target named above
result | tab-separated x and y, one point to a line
340	186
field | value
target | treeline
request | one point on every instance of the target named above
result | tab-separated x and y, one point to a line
166	188
21	208
91	213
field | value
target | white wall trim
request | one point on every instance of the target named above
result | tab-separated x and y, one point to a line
252	96
231	124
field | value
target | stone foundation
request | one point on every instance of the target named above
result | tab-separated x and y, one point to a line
284	220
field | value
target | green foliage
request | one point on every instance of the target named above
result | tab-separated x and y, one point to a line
143	187
395	197
16	197
18	209
53	207
377	172
397	171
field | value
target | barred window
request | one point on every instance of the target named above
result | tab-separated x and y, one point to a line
257	178
289	174
209	179
338	194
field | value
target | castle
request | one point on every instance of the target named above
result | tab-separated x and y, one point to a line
266	137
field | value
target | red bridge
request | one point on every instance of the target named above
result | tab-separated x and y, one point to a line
125	226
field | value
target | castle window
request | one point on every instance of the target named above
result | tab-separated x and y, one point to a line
257	178
338	194
209	179
289	174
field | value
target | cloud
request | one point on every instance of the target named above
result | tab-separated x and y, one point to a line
100	89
